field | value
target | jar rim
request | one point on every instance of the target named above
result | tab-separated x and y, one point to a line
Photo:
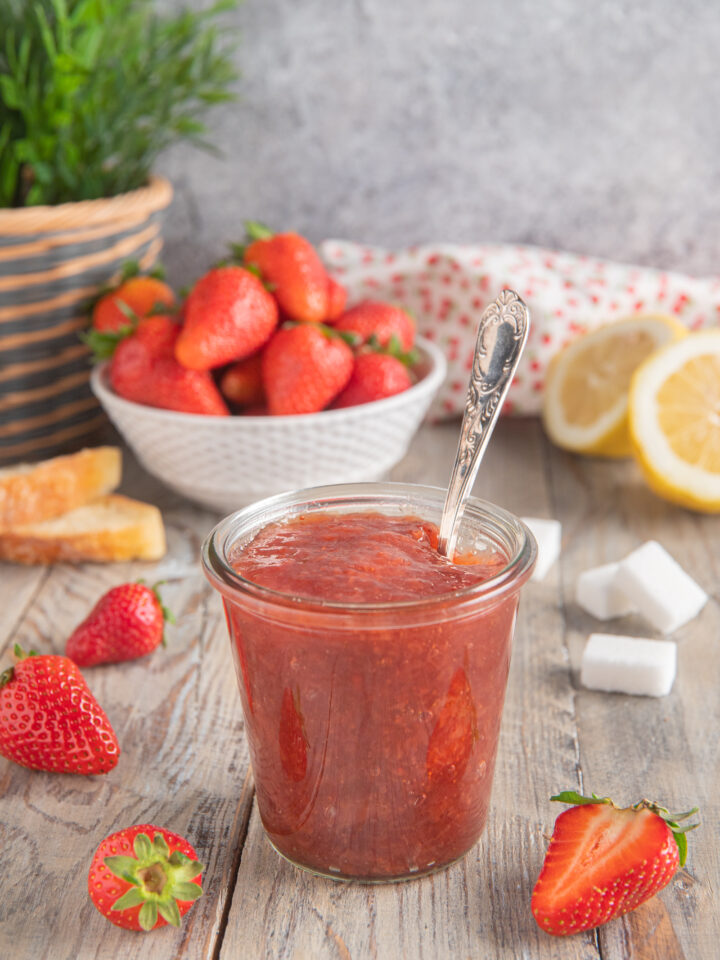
251	519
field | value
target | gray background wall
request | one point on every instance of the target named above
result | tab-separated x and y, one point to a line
593	127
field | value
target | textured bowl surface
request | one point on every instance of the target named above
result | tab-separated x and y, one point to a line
227	462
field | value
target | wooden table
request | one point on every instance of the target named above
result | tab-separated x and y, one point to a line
185	760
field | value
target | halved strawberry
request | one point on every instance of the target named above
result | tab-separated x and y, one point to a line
604	861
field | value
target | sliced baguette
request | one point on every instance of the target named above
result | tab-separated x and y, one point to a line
33	492
111	528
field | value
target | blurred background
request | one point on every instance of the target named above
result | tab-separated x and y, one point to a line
586	127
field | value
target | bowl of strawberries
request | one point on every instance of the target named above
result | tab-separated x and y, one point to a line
261	380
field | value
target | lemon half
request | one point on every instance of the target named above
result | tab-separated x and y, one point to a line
675	421
585	404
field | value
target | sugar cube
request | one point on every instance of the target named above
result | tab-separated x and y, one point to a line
629	665
598	592
548	534
659	587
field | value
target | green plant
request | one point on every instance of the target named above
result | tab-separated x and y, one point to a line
91	91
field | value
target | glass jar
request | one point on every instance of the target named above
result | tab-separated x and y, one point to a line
372	727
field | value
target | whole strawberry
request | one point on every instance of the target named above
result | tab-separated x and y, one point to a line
337	298
144	877
228	316
290	264
241	383
49	719
127	622
131	300
382	321
304	367
604	861
374	377
143	369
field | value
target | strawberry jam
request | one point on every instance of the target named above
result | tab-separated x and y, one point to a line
372	673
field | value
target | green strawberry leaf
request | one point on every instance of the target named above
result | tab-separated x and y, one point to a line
157	272
123	867
131	268
169	911
257	231
148	914
160	845
186	891
571	796
142	846
102	343
131	898
681	841
188	870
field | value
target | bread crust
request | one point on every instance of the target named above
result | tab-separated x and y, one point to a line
54	487
136	533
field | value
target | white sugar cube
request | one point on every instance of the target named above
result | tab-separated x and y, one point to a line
659	587
548	534
598	592
629	665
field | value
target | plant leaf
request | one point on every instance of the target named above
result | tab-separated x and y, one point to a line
148	914
131	898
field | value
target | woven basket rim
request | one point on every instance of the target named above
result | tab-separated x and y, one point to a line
155	195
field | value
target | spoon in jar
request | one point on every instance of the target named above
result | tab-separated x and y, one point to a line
501	338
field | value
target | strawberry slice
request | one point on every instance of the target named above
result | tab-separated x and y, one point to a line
604	861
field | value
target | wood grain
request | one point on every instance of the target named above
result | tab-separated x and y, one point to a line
185	763
634	747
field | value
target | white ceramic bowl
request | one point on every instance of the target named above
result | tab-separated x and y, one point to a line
227	462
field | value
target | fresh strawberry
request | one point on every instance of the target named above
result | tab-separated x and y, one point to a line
604	861
127	622
294	271
143	369
229	315
187	391
374	376
133	298
141	883
304	367
383	321
337	298
49	719
241	383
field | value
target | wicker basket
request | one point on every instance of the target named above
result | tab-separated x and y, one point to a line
52	260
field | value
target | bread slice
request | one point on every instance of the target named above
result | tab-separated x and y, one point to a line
108	529
32	492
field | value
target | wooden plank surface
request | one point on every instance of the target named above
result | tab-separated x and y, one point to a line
185	763
184	760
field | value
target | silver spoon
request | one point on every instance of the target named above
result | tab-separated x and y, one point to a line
501	338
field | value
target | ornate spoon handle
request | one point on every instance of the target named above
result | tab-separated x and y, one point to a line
501	338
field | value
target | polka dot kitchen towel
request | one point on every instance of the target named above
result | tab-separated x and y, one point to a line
447	287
